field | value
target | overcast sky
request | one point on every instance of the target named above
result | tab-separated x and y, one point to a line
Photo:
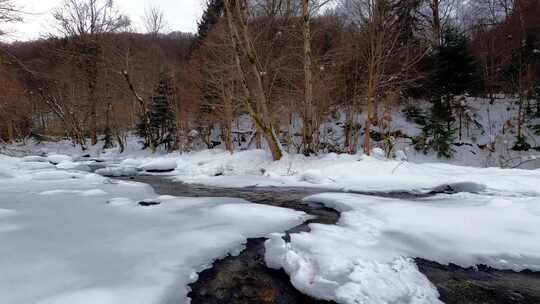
182	15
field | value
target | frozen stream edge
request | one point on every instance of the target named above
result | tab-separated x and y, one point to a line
246	279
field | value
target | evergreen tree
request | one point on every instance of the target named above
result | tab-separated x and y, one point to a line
212	14
108	139
162	128
454	72
438	134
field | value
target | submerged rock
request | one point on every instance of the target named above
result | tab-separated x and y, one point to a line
481	284
469	187
149	203
159	166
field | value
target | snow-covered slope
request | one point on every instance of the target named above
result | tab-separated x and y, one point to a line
486	137
488	133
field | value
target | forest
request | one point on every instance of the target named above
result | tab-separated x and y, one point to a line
284	68
280	152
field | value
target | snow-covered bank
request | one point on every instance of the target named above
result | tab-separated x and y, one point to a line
367	257
484	137
332	171
76	237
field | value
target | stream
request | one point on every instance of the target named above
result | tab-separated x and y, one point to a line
246	279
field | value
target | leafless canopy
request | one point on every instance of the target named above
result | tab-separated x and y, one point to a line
154	20
9	12
89	17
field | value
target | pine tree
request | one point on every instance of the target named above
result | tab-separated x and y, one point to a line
108	139
162	128
212	14
439	134
454	72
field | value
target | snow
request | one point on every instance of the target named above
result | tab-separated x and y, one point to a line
117	171
120	201
58	158
76	237
91	192
367	256
312	176
71	165
149	254
164	164
35	165
34	158
331	171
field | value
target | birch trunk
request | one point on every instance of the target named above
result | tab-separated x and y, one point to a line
308	129
250	74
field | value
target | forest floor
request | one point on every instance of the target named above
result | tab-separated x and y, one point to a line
359	229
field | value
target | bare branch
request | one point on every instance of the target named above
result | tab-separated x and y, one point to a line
154	21
89	17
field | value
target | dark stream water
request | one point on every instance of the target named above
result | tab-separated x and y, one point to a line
246	279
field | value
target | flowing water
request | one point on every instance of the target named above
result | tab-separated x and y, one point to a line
246	279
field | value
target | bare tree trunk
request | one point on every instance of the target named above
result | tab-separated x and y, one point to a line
376	41
436	22
227	118
11	136
142	105
520	121
290	138
351	133
91	49
308	129
370	116
520	115
251	76
258	138
460	125
93	116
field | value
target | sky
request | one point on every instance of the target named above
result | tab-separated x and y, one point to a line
181	15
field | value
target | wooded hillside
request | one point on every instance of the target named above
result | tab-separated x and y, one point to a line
287	66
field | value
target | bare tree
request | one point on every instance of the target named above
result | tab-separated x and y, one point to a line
249	68
308	84
154	20
86	21
9	13
89	17
435	16
389	55
310	126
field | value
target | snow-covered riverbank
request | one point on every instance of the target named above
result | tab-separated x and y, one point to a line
76	237
51	205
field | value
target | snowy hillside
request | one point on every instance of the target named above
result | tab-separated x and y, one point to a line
488	133
486	137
